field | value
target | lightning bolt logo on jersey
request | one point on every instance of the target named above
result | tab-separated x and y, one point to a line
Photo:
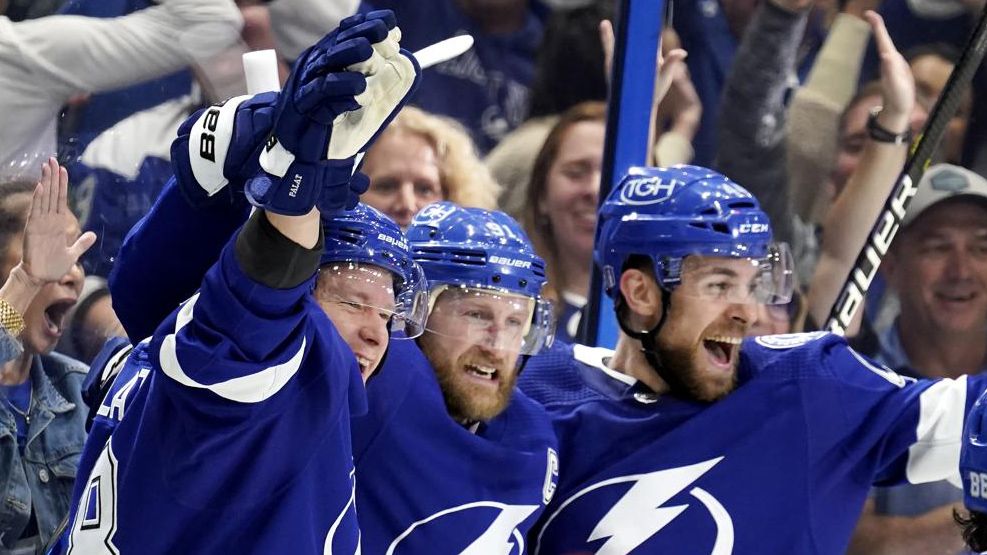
425	484
781	465
227	432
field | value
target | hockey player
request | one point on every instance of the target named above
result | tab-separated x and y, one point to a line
973	471
229	429
478	459
484	259
690	439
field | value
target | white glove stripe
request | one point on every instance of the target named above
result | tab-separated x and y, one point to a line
275	159
208	143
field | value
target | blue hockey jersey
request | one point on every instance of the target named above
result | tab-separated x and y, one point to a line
426	484
782	465
227	432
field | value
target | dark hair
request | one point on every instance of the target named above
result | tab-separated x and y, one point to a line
974	529
535	225
569	69
867	90
11	220
80	337
940	49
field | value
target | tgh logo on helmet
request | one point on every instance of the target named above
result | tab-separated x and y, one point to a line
647	190
436	212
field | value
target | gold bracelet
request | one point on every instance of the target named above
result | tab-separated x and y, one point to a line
10	319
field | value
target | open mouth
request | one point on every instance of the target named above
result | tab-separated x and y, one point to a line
482	373
956	298
55	315
721	349
364	363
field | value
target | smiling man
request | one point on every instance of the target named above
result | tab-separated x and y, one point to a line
938	268
689	439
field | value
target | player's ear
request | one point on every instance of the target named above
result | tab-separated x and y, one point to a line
642	297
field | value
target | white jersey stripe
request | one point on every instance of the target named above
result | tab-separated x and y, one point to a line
936	453
252	388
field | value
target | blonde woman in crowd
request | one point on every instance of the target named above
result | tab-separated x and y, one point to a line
423	158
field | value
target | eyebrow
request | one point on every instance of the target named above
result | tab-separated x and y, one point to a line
358	296
719	270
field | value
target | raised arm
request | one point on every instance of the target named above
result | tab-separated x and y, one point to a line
65	54
208	201
856	208
51	246
314	135
814	114
752	116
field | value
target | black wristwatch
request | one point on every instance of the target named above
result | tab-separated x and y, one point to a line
882	135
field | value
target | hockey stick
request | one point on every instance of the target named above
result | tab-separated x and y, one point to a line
857	283
637	32
443	50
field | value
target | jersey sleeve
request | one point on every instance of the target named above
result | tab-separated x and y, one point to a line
64	54
236	338
898	429
168	258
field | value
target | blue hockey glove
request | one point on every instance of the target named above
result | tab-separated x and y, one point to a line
322	85
392	75
344	198
342	92
301	187
221	145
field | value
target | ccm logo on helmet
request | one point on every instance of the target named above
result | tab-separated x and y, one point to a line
647	190
753	228
510	262
399	243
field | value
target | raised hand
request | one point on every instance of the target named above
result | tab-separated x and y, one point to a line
322	86
340	95
670	62
897	83
52	243
681	110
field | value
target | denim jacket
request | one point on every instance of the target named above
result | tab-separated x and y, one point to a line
45	474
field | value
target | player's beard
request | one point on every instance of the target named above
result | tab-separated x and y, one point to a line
684	370
465	400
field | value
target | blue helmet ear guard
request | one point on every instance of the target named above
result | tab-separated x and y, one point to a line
668	214
482	249
365	236
973	457
973	472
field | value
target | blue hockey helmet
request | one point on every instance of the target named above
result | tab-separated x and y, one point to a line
669	214
973	457
482	250
364	237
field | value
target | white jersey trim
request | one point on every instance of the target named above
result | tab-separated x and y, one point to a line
935	455
593	356
252	388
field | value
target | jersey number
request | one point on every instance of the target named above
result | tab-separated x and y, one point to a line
95	520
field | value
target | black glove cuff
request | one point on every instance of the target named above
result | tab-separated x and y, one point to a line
271	259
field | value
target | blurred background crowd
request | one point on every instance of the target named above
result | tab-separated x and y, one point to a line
808	104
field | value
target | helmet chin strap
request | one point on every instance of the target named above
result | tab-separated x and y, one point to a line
649	345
